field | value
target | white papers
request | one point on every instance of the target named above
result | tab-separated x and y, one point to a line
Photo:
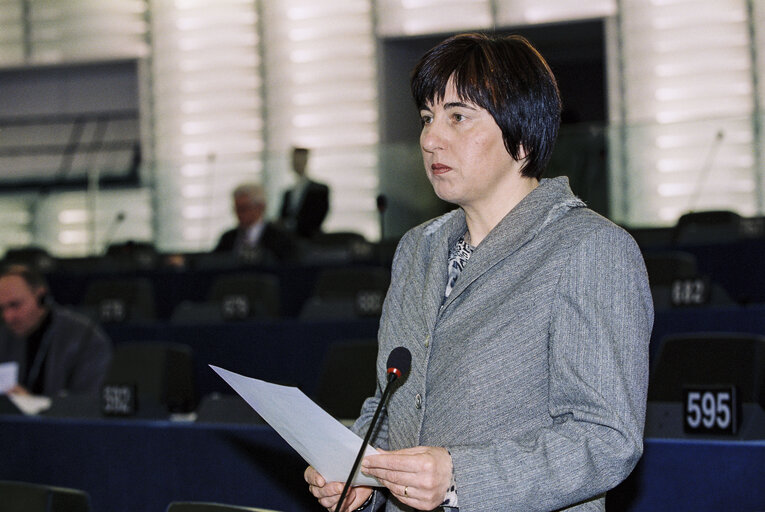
9	375
31	404
319	438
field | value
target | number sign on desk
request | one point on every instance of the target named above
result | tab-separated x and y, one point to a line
119	399
710	410
691	292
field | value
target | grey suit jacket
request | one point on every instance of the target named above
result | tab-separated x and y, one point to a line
533	373
78	353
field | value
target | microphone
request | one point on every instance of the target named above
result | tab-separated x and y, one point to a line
111	230
382	205
398	365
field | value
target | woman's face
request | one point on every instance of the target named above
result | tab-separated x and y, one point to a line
464	154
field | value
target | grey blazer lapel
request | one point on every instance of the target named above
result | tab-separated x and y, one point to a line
440	236
549	201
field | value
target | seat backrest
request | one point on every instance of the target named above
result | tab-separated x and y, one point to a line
709	359
707	227
162	372
347	377
120	300
346	293
247	295
29	497
676	282
190	312
350	281
226	408
338	238
133	255
190	506
336	247
666	266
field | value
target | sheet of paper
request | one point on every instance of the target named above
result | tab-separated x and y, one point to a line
31	404
325	443
9	375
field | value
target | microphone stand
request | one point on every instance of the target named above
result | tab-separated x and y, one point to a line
391	377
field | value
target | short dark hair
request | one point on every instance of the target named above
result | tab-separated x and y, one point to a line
504	75
32	277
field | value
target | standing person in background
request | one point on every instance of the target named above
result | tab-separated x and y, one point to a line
305	205
56	349
528	315
254	238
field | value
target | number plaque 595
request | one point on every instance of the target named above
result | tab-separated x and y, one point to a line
712	410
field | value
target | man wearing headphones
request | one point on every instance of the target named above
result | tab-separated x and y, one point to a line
57	350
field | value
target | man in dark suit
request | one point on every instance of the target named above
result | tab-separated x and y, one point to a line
254	238
55	349
305	205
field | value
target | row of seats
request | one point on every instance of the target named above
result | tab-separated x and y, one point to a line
680	269
162	378
334	248
337	293
17	496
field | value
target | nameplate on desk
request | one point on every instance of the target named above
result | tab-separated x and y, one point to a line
119	400
711	410
693	291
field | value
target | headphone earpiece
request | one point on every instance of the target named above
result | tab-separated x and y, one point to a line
42	299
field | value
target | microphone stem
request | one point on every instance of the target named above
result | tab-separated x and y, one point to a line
365	442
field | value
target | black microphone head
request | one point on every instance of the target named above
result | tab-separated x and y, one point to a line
399	361
382	202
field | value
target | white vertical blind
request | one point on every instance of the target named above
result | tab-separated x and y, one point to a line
321	83
687	104
77	30
11	32
528	12
74	224
207	115
758	45
15	221
418	17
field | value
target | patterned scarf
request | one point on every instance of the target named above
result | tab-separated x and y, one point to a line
458	257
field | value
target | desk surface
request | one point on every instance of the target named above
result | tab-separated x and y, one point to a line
139	465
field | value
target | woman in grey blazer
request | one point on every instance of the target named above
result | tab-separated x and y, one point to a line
528	316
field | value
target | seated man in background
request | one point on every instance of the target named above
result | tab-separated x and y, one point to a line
254	238
306	204
56	349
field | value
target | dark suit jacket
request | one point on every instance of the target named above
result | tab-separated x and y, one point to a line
312	211
274	243
78	353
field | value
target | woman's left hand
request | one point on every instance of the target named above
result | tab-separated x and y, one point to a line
418	477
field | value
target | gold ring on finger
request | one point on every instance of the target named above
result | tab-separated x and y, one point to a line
406	489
